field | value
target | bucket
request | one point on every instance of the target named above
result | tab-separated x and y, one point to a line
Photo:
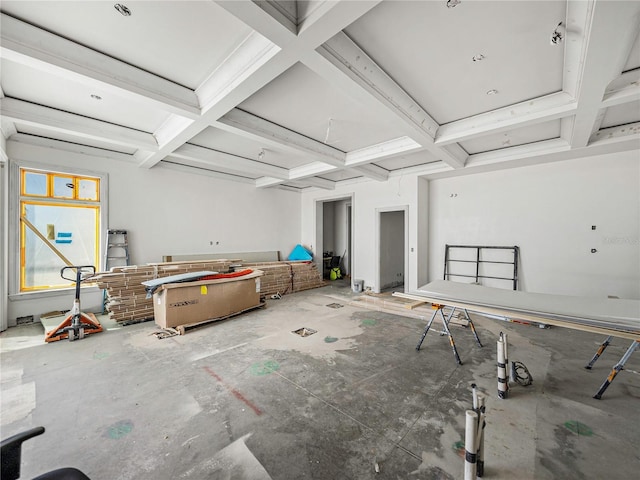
358	285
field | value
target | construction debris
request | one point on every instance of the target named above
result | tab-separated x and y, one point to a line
385	302
126	296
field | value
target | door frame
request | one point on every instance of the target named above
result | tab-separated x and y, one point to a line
319	235
379	212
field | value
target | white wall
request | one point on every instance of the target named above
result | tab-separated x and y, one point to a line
170	212
400	191
548	210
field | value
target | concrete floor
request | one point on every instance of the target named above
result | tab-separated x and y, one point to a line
247	399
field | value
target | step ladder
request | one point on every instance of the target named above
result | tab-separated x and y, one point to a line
116	252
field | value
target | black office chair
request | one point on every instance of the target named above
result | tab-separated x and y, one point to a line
11	453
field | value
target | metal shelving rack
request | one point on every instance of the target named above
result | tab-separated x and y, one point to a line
478	261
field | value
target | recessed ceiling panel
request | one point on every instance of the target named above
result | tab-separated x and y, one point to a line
180	41
621	114
429	50
303	102
25	83
63	137
406	161
222	141
634	56
511	138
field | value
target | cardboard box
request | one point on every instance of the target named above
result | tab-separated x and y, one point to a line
177	304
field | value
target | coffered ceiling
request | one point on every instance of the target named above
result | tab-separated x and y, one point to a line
306	94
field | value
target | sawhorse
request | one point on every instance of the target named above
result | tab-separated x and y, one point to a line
616	368
445	323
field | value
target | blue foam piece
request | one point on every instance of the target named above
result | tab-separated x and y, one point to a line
300	253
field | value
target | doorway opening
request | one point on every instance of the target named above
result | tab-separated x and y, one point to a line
392	251
334	237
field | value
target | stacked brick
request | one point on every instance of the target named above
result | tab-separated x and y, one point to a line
126	296
287	277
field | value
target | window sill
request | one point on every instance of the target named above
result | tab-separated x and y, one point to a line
59	292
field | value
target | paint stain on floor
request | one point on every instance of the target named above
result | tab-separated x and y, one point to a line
579	428
119	429
264	368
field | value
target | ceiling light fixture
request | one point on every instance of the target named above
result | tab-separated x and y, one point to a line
123	9
558	34
453	3
478	58
96	97
493	91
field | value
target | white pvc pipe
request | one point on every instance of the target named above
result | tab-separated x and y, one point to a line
506	357
470	445
480	436
502	371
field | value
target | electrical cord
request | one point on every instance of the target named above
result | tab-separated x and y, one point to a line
520	374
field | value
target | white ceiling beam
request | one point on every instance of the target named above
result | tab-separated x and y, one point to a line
531	112
289	188
222	88
384	150
317	182
263	18
7	128
425	169
373	172
609	30
227	161
330	17
266	53
531	150
26	113
244	72
304	171
204	171
266	182
28	45
310	170
248	125
340	59
85	150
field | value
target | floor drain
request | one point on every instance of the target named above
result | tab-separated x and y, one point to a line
305	332
335	305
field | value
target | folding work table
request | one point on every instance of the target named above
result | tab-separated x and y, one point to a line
607	316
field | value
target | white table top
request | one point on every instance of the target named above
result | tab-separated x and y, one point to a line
610	313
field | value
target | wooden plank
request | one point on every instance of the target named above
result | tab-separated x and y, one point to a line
45	240
415	304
